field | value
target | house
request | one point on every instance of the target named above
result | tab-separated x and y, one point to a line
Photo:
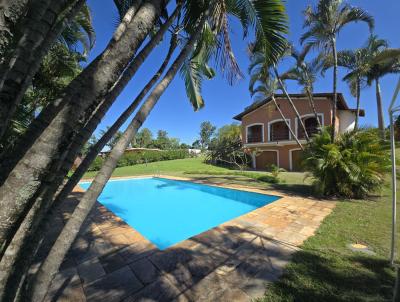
268	139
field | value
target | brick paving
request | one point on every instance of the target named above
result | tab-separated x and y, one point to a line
110	261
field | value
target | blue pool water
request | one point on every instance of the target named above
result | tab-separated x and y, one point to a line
169	211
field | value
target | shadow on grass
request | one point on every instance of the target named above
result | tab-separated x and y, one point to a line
328	276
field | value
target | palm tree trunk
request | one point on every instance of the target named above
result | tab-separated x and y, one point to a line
98	109
358	96
89	86
96	148
60	169
334	105
282	86
51	265
41	31
287	124
80	140
11	13
381	120
312	106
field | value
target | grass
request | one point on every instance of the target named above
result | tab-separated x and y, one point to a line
325	269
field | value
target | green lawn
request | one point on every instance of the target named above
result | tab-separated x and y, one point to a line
325	269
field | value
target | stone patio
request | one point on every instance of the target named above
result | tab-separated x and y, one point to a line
235	261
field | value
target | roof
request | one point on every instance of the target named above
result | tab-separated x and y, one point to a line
342	105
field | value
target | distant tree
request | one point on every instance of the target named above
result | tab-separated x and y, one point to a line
114	139
162	140
143	138
184	146
226	148
173	143
196	144
206	132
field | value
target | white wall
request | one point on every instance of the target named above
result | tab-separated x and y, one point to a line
346	120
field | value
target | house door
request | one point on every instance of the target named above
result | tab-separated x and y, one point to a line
296	160
265	159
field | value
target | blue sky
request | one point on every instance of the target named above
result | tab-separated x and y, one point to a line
173	112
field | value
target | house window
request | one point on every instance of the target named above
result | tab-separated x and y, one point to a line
255	134
279	131
311	125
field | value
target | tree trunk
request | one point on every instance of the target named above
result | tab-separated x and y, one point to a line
358	96
11	13
90	85
334	104
282	86
41	31
381	120
51	265
287	124
98	108
95	149
312	106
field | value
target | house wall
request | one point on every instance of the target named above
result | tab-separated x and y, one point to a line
347	120
284	157
269	113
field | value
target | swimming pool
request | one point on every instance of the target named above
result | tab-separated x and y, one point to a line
169	211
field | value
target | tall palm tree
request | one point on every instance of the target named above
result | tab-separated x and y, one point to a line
305	73
357	63
56	128
261	68
382	61
324	22
56	71
42	25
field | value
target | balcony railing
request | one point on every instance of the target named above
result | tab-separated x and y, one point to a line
275	137
256	138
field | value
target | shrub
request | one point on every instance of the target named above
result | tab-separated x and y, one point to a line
96	164
134	158
353	166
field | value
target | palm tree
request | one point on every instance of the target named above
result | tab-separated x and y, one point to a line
382	61
324	22
260	68
305	74
56	127
43	24
357	63
52	262
56	71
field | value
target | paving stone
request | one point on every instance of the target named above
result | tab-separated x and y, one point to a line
112	262
137	251
168	260
162	290
66	286
145	271
114	286
90	270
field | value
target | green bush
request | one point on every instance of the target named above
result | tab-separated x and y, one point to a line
142	157
96	164
354	166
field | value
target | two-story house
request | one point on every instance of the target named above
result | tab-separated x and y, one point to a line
268	139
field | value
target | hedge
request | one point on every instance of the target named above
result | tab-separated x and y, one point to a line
134	158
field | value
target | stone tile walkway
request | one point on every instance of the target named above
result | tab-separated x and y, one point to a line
235	261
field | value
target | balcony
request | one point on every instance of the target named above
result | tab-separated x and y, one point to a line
279	132
255	134
251	139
